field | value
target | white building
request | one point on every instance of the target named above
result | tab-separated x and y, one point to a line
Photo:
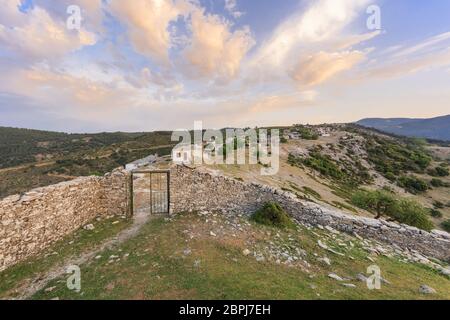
141	163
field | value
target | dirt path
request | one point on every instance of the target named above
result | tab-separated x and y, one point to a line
41	281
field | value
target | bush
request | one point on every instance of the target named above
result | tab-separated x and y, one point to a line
387	204
437	183
412	213
446	225
435	213
379	202
438	205
439	172
412	184
271	214
306	133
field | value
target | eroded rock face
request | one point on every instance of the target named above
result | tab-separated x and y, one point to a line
32	222
199	189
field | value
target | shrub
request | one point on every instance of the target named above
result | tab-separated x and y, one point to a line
439	172
306	133
412	184
435	213
437	183
271	214
379	202
387	204
438	205
412	213
446	225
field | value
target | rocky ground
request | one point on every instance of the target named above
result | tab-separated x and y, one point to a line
211	255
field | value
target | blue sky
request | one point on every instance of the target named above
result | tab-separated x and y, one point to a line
163	64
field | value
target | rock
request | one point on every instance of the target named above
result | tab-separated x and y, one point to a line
322	245
246	252
349	285
50	289
212	234
260	258
187	252
98	257
335	277
445	271
116	222
89	227
325	260
424	289
361	277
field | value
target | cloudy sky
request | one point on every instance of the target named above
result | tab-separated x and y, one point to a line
162	64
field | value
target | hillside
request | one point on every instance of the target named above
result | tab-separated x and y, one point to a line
206	255
436	128
333	163
33	158
324	164
218	255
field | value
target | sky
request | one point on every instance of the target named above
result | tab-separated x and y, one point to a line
144	65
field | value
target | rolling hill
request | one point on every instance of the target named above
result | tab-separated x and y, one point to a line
435	128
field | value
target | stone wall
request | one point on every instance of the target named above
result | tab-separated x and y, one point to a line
31	222
199	189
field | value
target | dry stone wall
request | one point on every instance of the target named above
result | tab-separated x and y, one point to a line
31	222
199	189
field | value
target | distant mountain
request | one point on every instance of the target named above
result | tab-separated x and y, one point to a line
434	128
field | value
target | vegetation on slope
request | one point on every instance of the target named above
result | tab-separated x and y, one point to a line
271	214
178	258
384	203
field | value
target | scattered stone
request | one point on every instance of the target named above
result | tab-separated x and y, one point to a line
361	277
98	257
50	289
322	245
246	252
89	227
212	234
424	289
325	260
335	277
116	222
187	252
349	285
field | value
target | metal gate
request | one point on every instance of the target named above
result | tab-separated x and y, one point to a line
156	191
159	192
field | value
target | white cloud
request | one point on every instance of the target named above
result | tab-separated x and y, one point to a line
231	7
322	66
427	44
214	49
323	20
147	23
37	36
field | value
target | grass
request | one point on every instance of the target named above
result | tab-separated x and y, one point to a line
71	246
156	267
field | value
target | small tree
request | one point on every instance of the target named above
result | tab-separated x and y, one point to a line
381	202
